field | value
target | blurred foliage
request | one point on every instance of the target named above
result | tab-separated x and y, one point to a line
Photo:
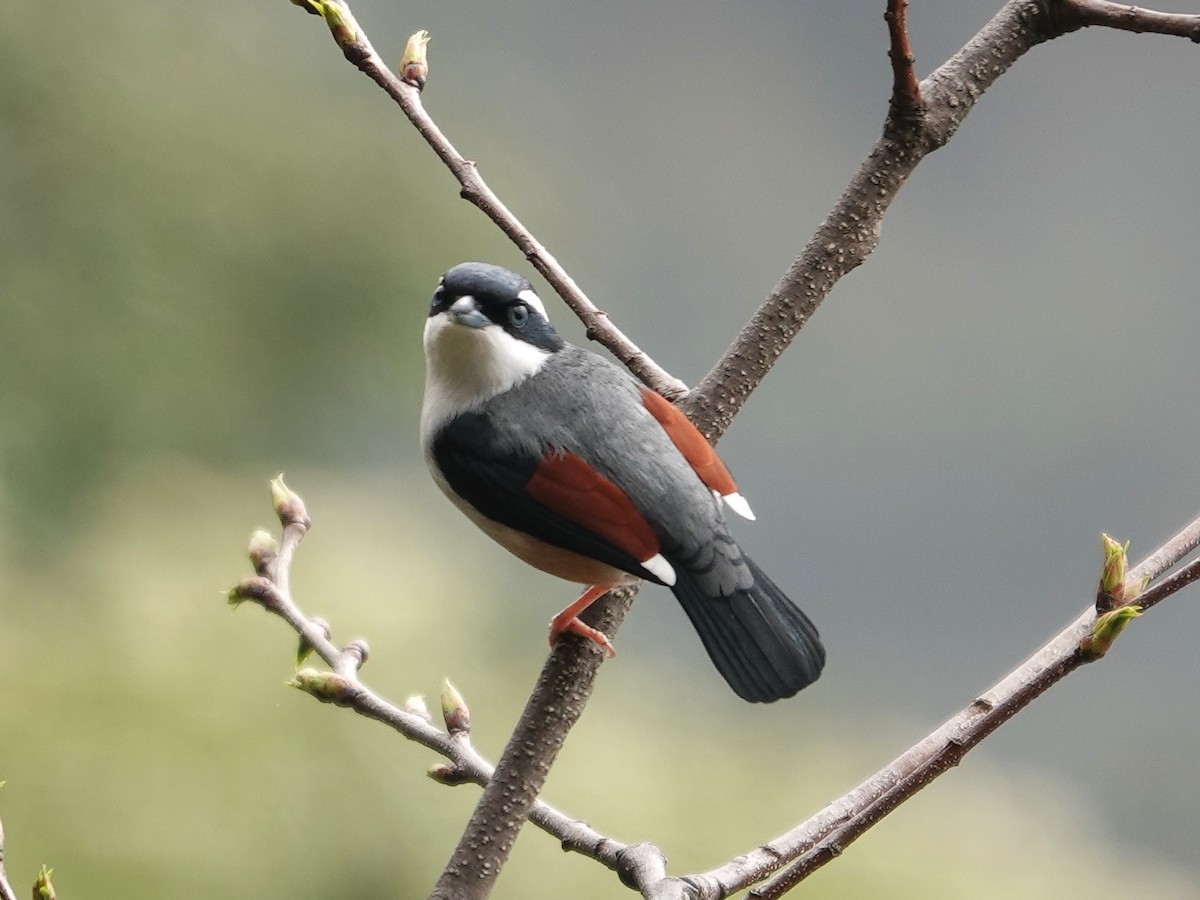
192	297
177	272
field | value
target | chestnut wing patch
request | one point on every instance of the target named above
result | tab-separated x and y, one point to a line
690	442
566	484
558	499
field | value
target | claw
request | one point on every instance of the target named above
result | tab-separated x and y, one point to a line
567	621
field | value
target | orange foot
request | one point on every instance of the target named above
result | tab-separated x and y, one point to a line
567	622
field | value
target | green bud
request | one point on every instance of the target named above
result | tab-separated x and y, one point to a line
42	888
414	65
256	589
1106	629
309	6
1112	576
328	687
454	710
341	22
288	505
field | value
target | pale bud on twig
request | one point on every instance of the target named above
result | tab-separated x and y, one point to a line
255	588
444	773
358	649
288	505
414	65
262	551
328	687
415	705
454	710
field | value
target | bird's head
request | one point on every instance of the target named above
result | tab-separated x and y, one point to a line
487	332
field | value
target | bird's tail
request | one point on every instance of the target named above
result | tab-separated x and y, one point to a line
760	642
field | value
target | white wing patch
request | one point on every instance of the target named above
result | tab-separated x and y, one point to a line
738	504
659	567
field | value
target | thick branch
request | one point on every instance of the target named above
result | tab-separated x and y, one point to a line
851	230
842	242
557	702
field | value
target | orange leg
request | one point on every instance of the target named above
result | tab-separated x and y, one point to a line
567	623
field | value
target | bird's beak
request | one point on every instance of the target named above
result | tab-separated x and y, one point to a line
464	311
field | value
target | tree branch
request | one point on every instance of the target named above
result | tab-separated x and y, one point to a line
1084	13
270	588
851	230
358	50
906	92
557	702
848	235
828	833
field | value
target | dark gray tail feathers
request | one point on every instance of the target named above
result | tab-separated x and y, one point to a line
760	642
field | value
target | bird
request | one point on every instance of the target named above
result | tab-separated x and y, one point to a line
575	467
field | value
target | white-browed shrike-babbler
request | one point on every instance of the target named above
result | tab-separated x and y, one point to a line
571	464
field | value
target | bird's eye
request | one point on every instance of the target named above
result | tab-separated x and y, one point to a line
518	315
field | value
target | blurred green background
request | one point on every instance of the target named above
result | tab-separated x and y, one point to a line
219	241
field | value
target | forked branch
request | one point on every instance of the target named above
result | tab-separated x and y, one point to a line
924	116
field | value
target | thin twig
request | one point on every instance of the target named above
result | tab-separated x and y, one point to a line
906	92
843	242
271	590
850	232
1086	13
358	50
827	834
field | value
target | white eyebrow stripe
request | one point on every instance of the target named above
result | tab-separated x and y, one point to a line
534	302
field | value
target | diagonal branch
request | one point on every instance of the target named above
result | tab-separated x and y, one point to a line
851	230
826	835
841	243
270	589
358	50
807	847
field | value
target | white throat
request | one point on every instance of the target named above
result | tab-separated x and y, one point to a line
465	367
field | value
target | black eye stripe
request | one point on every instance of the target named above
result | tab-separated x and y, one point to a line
439	301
